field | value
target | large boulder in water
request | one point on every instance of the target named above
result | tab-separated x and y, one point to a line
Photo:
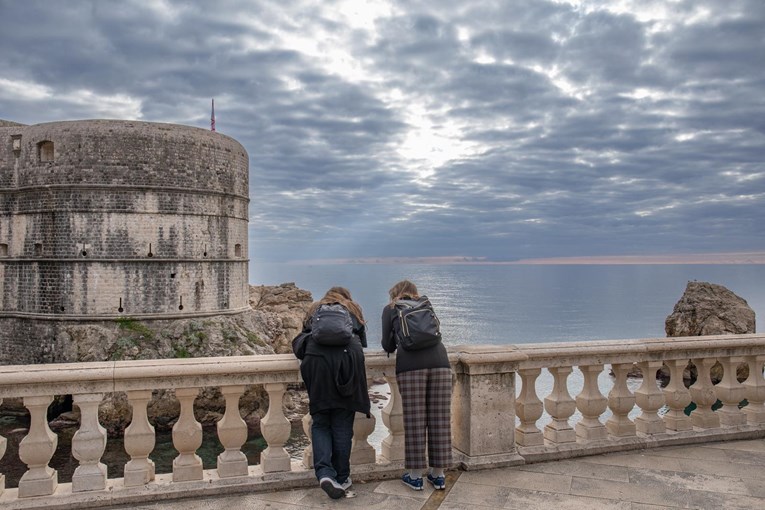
709	309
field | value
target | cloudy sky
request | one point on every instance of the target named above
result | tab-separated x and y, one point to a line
499	129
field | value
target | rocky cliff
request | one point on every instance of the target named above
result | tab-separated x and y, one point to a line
282	310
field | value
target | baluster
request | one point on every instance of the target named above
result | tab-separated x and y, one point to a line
232	432
591	403
139	441
703	394
187	438
361	451
36	450
88	445
529	409
755	391
392	448
650	399
275	428
677	397
731	393
3	445
560	406
308	452
621	402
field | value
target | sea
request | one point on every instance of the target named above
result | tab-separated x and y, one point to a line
519	304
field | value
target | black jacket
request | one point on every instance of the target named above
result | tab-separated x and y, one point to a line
406	361
335	377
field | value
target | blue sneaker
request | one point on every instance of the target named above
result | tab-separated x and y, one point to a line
413	483
438	482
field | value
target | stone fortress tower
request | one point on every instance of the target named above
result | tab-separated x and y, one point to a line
103	219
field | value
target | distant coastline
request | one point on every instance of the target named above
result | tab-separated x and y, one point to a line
669	259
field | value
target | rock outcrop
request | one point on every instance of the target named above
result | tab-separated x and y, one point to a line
283	308
709	309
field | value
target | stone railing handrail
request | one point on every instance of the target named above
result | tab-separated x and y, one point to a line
69	378
490	426
651	349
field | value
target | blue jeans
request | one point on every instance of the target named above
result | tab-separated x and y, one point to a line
331	437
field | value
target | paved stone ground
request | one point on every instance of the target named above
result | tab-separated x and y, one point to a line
712	476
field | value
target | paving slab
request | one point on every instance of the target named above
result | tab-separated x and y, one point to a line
629	492
637	460
727	469
641	506
581	467
682	480
465	494
516	478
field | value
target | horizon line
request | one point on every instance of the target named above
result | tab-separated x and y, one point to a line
730	258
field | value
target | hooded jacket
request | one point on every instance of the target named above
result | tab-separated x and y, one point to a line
335	377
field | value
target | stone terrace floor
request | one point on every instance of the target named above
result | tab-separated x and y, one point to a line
709	476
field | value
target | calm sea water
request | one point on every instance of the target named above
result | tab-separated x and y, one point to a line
527	304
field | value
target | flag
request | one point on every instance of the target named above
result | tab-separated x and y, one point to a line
212	117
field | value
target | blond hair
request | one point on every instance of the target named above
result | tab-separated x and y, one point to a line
403	290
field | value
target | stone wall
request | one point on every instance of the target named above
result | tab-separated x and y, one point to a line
105	219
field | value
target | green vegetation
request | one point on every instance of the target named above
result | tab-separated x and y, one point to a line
180	351
134	339
191	342
255	339
131	324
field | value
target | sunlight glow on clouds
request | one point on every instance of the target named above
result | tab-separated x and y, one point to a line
540	128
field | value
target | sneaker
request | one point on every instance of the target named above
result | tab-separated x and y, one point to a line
346	484
333	489
438	482
412	483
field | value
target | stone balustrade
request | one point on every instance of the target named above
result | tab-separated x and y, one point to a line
492	426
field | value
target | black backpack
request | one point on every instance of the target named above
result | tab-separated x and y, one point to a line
332	325
419	328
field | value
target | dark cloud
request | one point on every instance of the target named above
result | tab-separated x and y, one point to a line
507	130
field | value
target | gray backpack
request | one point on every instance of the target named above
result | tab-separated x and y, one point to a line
332	325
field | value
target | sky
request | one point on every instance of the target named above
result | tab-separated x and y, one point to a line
496	130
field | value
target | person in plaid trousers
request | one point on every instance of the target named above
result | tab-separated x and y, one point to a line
425	382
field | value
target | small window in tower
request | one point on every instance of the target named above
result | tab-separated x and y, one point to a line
238	250
45	151
3	250
16	139
38	249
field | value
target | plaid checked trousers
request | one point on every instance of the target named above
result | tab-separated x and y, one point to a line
426	396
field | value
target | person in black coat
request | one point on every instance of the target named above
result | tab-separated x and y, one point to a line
335	377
